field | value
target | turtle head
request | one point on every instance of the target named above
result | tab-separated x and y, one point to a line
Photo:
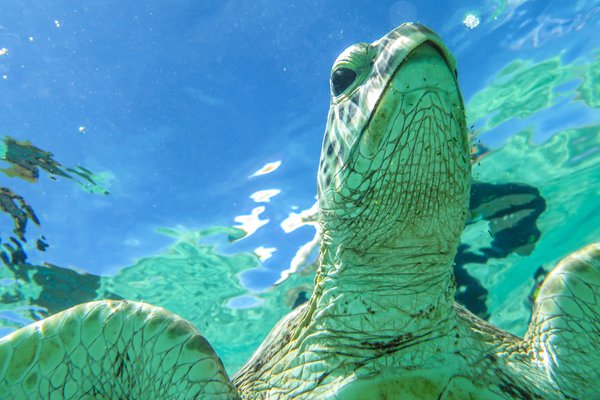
395	158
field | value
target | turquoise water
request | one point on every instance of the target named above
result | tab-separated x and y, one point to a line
185	142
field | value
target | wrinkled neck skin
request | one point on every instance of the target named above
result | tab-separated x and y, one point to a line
394	287
392	299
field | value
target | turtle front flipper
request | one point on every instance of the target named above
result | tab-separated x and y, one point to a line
110	350
564	334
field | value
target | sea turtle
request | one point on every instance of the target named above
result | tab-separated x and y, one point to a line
393	187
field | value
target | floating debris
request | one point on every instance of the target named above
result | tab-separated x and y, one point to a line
57	23
471	21
267	168
264	196
82	129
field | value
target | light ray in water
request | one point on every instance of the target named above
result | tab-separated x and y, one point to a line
264	196
251	223
267	168
264	253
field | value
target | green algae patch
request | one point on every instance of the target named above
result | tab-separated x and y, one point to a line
519	90
589	90
195	282
565	171
19	211
523	87
26	160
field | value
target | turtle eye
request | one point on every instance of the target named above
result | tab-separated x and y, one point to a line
341	79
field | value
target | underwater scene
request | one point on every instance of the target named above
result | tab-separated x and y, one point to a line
167	152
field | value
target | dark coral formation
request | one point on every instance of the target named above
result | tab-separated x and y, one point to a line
26	160
512	211
59	288
19	211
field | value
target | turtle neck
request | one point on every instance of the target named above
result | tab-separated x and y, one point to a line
386	291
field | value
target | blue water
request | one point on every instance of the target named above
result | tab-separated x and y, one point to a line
174	105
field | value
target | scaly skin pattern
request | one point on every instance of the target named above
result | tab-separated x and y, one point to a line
111	350
381	324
